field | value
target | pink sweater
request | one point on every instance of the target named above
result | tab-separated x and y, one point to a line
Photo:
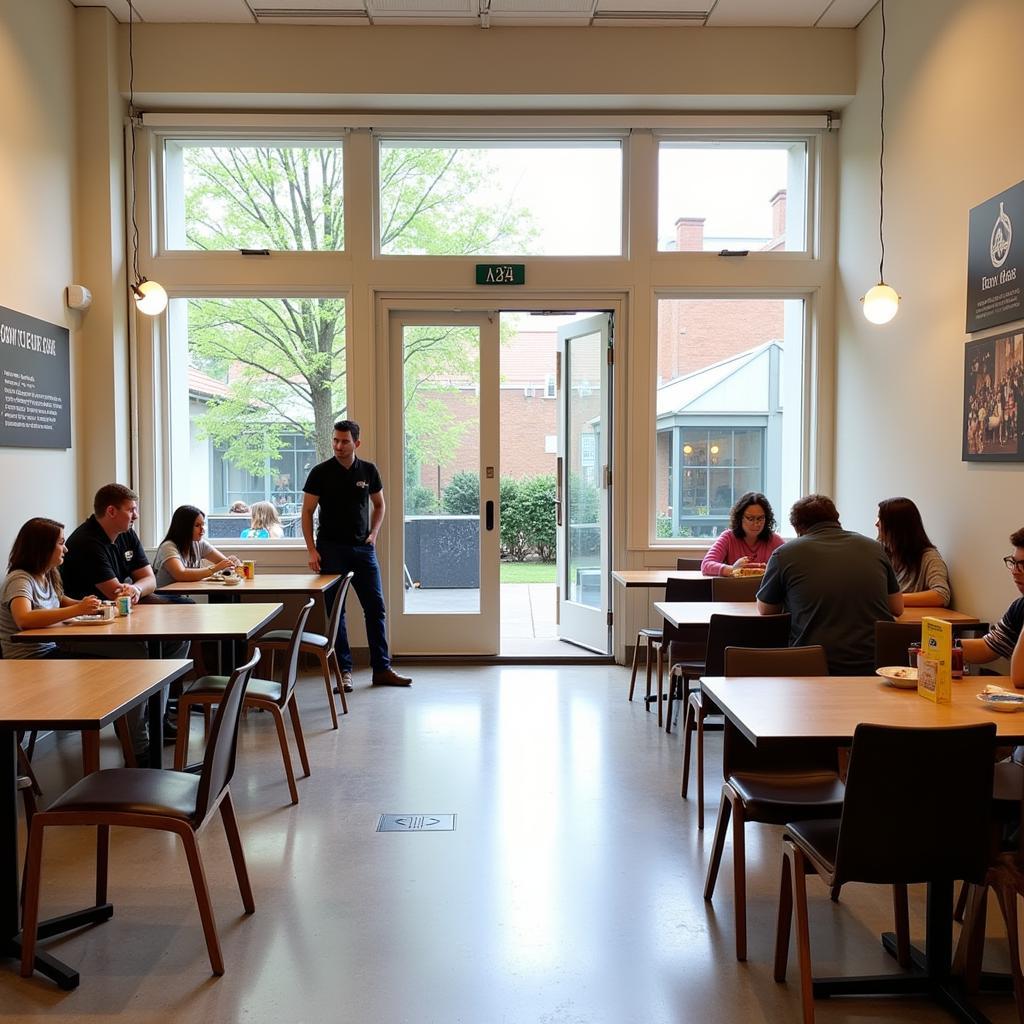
728	548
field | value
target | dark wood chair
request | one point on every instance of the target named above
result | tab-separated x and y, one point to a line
735	588
893	832
681	648
689	564
724	631
769	787
175	802
321	645
275	696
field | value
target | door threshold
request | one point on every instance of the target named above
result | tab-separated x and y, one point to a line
504	659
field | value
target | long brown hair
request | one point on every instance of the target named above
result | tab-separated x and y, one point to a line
33	548
901	532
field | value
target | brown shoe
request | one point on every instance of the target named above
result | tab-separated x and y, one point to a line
389	677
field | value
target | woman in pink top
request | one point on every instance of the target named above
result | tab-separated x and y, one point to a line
748	542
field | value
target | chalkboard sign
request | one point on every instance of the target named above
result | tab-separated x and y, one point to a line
995	260
35	369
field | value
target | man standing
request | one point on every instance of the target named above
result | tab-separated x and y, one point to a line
351	499
1004	639
836	585
105	557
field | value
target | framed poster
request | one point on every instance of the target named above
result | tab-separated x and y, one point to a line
993	385
35	367
995	261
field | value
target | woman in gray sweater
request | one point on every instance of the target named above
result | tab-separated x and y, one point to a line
922	574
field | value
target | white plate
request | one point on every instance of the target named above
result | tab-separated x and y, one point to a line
898	676
998	702
88	620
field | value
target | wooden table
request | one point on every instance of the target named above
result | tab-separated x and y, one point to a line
264	583
633	578
777	711
56	694
152	623
698	613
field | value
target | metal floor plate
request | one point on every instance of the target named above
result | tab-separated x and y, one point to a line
416	823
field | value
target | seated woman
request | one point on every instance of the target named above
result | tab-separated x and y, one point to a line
183	552
749	541
264	523
32	595
920	570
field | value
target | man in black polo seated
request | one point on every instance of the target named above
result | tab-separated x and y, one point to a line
1003	640
835	583
105	557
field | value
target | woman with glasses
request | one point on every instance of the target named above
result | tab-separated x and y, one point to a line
749	541
920	570
1003	640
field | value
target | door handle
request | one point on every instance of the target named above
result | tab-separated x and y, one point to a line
489	516
558	491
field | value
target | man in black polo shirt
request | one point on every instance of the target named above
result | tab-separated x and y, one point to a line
351	499
105	557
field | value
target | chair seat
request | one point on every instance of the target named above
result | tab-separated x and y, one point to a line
777	797
819	840
650	632
283	636
269	689
131	791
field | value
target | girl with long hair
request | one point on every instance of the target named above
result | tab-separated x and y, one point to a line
264	522
32	596
920	570
185	555
749	541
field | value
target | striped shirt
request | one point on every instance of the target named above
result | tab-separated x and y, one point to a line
1003	636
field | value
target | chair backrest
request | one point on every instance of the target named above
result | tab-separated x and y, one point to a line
892	640
689	564
735	588
688	640
291	658
219	760
742	631
738	753
917	805
338	610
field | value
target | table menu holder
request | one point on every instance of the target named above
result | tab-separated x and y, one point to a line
934	663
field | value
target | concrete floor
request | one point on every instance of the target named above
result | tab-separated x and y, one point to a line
570	892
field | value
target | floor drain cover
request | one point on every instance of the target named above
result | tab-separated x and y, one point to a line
416	823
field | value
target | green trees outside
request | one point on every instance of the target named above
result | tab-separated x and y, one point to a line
283	359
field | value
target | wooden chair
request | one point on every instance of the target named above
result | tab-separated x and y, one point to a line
268	694
724	631
323	647
681	647
175	802
689	564
769	787
735	588
892	831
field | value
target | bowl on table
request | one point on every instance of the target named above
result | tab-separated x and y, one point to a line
900	676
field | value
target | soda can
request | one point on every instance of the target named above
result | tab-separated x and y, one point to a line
124	605
107	610
249	570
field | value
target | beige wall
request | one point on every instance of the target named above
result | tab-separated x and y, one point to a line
953	140
37	138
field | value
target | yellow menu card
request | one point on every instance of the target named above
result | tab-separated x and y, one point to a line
934	665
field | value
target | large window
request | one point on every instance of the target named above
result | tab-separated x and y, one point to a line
729	400
740	196
259	384
275	195
515	197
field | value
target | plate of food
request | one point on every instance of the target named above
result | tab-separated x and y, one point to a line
88	620
998	699
749	571
898	676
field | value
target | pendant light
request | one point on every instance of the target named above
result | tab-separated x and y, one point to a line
881	302
150	297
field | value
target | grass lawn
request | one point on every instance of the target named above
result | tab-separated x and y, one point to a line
527	572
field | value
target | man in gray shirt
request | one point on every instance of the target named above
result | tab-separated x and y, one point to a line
836	584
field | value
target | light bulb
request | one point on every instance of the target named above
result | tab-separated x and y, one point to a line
150	297
880	303
687	449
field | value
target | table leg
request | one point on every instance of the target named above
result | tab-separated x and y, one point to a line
156	729
90	751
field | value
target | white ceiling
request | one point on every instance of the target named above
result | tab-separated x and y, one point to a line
486	13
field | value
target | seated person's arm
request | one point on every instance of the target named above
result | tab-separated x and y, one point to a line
219	559
764	608
27	617
923	599
1017	663
111	588
978	652
182	574
143	584
896	604
771	595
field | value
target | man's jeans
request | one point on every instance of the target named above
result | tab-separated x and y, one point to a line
362	560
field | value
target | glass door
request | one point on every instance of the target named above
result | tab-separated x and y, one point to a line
582	500
444	381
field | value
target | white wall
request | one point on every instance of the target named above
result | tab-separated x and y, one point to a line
37	154
953	139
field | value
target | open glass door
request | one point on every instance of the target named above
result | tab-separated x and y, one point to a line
583	494
445	564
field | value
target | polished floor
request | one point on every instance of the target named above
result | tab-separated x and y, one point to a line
569	893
